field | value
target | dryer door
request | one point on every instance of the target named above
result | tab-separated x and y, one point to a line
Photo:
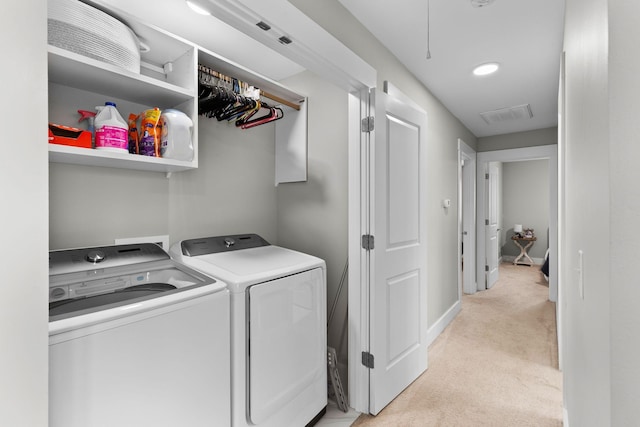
287	346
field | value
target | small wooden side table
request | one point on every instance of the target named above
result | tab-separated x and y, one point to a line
523	250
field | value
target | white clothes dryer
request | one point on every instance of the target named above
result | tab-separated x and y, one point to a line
136	339
278	327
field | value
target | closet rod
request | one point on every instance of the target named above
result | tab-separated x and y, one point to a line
271	96
280	100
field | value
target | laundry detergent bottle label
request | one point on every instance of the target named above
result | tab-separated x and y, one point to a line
150	131
111	137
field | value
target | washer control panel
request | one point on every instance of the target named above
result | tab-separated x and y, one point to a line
86	259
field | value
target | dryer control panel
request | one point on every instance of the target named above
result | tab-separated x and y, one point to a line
212	245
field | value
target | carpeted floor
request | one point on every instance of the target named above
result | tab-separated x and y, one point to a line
495	365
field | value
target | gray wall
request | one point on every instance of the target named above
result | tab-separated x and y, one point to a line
231	192
530	138
585	221
23	177
624	92
601	374
525	200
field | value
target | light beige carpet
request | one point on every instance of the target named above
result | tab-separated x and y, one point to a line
496	364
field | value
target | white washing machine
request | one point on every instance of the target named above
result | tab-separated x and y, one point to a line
136	339
278	327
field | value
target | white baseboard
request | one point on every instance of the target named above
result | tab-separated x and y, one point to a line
510	258
565	418
443	322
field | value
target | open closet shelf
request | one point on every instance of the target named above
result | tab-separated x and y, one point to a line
239	72
89	157
78	71
168	78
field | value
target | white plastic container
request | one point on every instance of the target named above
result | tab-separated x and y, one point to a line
111	129
177	129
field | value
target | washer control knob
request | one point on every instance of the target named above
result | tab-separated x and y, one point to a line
228	242
57	293
96	256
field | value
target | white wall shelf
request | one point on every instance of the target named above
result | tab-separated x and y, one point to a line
80	82
89	157
74	70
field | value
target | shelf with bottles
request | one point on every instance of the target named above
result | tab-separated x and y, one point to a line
64	103
167	79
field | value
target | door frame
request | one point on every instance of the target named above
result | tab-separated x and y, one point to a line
541	152
467	207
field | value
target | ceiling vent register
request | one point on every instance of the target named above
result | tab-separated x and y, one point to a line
520	112
481	3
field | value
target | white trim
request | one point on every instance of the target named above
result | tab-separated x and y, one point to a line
358	299
513	155
313	47
396	93
565	417
440	325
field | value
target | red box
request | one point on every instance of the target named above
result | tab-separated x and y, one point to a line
66	135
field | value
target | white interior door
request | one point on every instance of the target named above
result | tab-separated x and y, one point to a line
492	225
398	286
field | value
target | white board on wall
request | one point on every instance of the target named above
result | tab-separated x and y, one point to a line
291	145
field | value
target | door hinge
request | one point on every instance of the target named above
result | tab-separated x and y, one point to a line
486	176
367	359
367	124
486	268
368	242
486	222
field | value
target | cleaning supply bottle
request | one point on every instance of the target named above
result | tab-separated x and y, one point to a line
134	136
150	131
90	117
177	128
111	129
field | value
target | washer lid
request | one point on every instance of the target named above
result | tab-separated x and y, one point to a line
242	268
120	296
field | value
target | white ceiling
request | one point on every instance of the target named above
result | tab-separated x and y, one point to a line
524	36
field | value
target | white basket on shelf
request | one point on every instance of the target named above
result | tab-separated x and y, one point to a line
85	30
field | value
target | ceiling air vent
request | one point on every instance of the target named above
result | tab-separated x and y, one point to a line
520	112
481	3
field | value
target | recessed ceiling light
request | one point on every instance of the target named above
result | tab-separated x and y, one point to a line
485	69
197	9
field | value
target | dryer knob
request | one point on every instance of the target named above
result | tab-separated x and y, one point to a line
95	256
228	242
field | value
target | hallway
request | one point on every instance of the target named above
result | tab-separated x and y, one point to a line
495	365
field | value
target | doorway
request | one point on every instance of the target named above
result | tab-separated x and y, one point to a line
525	202
549	152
